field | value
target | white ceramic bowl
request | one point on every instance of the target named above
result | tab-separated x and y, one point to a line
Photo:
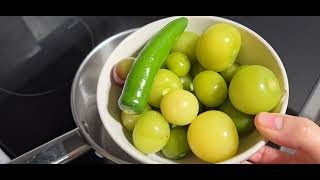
254	50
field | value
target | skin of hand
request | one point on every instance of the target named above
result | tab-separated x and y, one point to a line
298	133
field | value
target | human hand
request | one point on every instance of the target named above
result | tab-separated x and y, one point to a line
297	133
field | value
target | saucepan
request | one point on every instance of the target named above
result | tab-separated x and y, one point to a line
90	133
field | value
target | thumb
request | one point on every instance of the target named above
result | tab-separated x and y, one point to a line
294	132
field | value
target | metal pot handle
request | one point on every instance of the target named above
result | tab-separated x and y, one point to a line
60	150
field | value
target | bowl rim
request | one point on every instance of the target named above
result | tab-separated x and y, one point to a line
143	158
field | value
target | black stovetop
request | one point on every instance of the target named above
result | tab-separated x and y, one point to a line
39	56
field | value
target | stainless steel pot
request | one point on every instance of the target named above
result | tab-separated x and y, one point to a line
90	133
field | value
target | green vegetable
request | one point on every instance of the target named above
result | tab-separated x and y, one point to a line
164	82
178	63
129	120
210	88
187	82
151	132
218	47
187	44
179	107
244	122
195	69
254	89
138	85
213	137
177	146
230	72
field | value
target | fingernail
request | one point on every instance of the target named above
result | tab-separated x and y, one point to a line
270	121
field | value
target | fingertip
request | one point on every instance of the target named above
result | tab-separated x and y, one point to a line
261	114
269	121
260	117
